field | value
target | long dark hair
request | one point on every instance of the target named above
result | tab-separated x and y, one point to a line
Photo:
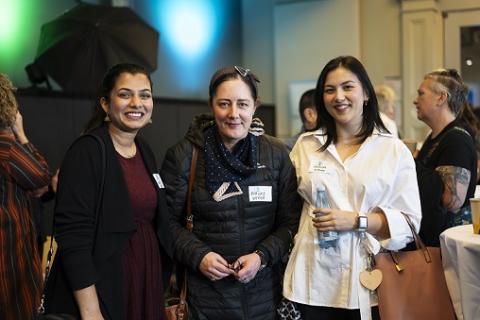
108	83
371	116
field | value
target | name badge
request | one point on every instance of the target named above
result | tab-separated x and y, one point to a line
260	193
317	166
159	181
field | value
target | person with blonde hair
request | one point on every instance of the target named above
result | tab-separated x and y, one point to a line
446	163
386	105
23	170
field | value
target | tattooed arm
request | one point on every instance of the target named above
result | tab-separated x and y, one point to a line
455	182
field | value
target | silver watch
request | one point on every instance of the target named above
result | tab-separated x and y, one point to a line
362	223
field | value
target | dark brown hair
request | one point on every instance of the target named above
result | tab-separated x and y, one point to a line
108	83
371	116
230	73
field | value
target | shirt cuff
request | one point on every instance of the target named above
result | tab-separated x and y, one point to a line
400	233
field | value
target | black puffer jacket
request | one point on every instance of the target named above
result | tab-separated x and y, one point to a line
232	228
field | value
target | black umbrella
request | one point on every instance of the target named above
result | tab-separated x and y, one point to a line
77	48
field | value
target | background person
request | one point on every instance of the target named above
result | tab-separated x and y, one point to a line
371	183
41	197
22	170
113	262
447	162
308	114
386	104
472	124
244	203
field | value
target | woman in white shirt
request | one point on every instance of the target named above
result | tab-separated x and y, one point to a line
370	179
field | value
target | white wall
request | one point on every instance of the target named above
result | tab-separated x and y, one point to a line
257	48
452	5
369	29
380	38
306	36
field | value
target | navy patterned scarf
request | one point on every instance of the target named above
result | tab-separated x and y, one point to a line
224	169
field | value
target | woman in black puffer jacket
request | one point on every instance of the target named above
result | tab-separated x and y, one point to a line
245	206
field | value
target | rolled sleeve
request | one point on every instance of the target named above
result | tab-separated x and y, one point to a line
405	201
400	233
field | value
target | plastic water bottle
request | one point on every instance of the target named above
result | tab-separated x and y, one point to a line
326	239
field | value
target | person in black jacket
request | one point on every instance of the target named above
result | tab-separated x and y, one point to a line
245	206
112	261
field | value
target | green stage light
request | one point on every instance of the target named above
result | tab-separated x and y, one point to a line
9	20
15	27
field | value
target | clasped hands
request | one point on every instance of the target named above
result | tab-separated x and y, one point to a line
244	269
327	219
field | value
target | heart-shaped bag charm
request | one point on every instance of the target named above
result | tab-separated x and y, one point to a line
371	279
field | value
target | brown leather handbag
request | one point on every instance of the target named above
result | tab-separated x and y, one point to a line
413	285
176	307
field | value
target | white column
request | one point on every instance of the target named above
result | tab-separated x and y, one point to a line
422	52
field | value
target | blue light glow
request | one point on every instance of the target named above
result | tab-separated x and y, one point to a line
189	27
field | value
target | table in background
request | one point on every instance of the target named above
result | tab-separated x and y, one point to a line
461	264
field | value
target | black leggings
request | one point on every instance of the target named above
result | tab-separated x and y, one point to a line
326	313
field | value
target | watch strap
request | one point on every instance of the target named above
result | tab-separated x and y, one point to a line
263	262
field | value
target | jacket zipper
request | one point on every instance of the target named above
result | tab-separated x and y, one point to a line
241	212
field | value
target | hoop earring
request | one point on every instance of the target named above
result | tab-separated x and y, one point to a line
107	118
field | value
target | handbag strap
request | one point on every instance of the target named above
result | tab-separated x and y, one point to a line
41	307
191	181
418	241
189	225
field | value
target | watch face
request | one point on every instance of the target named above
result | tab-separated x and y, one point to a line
362	223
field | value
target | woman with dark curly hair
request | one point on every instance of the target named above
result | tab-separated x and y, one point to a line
23	170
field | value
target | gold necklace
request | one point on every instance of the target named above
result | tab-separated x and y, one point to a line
125	153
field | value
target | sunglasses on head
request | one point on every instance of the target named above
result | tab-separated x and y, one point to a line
242	71
245	72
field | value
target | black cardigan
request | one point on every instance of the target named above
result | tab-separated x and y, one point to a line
84	259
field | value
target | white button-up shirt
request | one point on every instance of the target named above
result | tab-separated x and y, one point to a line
380	174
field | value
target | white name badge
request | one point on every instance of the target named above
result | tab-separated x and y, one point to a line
317	166
260	193
159	181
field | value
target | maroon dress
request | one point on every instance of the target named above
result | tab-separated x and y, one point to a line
143	287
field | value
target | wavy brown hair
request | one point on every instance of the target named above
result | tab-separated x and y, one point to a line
8	103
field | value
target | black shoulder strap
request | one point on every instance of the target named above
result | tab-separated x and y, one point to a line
455	128
460	129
